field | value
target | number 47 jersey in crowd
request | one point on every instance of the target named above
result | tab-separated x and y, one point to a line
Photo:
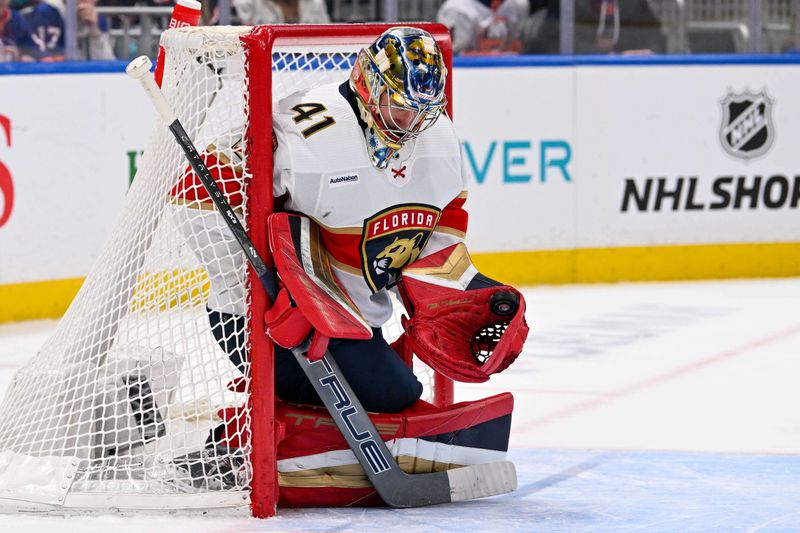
372	221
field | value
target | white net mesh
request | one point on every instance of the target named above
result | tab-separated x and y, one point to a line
131	382
123	399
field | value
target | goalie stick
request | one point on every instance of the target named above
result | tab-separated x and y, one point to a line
394	486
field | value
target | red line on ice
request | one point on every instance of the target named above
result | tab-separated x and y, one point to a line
593	403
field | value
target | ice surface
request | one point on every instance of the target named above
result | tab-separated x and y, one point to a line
639	407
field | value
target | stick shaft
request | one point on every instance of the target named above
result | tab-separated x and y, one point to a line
139	68
158	99
239	233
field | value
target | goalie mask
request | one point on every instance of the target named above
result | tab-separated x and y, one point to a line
399	82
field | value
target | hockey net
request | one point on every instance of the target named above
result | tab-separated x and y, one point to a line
118	408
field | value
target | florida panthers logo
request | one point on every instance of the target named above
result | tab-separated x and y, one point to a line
392	239
398	254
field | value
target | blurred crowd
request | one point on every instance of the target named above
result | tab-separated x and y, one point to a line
532	26
34	30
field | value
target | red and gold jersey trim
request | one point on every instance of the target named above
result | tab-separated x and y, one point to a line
452	269
189	189
342	246
355	249
454	217
200	205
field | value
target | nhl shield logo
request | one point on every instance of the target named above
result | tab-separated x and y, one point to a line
394	238
747	130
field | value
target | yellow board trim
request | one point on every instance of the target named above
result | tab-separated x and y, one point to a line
154	291
642	263
159	291
50	299
37	299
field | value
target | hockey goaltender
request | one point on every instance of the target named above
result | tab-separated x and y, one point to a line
372	186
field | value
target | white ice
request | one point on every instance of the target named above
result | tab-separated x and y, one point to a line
646	407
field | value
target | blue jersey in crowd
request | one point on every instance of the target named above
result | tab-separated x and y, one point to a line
47	31
16	38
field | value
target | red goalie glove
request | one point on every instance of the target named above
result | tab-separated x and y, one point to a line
462	324
288	327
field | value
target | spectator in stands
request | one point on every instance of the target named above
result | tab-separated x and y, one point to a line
601	27
253	12
46	26
60	5
16	43
485	26
93	39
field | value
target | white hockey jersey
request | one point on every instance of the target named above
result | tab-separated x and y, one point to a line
373	222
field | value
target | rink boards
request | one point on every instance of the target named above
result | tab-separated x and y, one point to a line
580	169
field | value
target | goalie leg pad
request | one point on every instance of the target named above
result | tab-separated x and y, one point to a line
317	469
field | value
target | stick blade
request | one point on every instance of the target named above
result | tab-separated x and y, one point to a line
480	481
